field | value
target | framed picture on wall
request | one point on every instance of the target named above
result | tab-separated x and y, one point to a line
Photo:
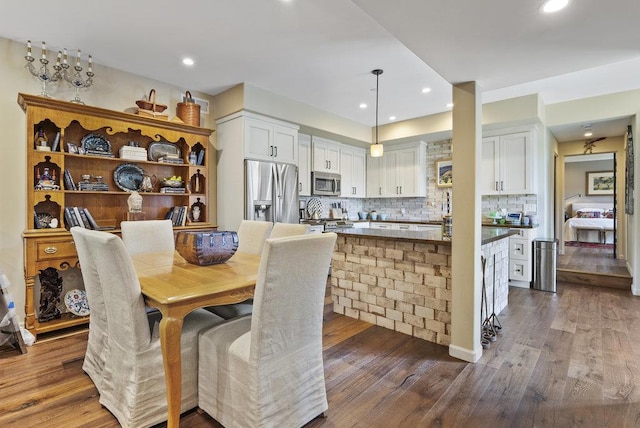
444	173
600	183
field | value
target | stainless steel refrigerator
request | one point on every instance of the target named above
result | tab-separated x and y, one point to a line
271	192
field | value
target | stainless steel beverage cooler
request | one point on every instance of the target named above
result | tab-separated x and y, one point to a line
544	264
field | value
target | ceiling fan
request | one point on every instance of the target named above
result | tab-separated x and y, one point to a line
589	145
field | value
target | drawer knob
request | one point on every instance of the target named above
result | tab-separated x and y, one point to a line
51	250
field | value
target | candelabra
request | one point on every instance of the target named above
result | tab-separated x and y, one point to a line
42	73
75	78
62	71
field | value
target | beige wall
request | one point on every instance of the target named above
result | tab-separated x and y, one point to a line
113	89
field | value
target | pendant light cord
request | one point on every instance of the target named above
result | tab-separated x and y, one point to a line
377	72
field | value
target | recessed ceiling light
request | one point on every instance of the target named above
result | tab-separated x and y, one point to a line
363	105
449	105
392	118
554	5
588	134
426	90
187	61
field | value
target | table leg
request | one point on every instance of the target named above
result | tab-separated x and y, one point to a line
170	334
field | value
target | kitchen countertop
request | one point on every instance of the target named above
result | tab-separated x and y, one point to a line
489	234
438	222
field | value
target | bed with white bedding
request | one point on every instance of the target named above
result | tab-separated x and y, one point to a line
591	222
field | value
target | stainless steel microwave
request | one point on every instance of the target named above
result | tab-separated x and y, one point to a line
325	184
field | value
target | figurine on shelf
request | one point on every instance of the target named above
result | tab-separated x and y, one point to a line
41	141
134	202
50	290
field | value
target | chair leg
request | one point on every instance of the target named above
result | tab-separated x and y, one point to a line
324	414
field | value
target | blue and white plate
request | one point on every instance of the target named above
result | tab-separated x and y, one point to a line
77	303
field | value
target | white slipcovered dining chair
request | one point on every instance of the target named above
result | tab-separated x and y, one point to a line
133	383
279	230
148	236
251	236
95	355
267	370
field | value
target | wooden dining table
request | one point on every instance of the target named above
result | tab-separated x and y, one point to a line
176	287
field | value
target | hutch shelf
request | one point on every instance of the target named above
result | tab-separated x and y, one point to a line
73	146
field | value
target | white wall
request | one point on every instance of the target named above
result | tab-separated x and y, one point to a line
112	89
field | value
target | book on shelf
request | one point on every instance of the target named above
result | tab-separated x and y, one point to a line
173	190
56	142
100	153
68	181
90	219
69	218
100	187
81	223
165	159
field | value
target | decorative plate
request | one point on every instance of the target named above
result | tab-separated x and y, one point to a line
77	303
128	177
96	143
314	205
158	150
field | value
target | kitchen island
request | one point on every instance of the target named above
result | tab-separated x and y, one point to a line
401	280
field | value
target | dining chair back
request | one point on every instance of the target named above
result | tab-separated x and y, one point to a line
146	236
251	236
267	369
281	230
133	383
94	357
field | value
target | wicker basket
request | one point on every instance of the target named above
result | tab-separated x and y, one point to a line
150	104
189	111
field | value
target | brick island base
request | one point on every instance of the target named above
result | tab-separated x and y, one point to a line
405	285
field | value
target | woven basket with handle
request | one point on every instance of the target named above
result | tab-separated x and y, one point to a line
150	104
189	111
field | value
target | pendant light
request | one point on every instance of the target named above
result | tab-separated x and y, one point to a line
377	149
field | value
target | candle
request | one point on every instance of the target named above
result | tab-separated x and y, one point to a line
64	56
44	51
78	58
59	57
90	59
29	48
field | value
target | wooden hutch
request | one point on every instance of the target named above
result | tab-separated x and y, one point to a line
68	143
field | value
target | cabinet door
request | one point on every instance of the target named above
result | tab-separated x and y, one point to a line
374	177
285	144
333	156
353	172
304	165
489	176
410	180
516	164
390	185
326	155
258	139
346	173
359	173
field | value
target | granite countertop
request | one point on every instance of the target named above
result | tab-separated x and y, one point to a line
489	234
438	222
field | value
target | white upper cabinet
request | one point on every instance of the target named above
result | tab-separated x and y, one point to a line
304	164
325	155
400	172
507	164
270	139
353	171
374	177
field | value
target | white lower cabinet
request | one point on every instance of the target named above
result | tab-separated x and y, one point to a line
521	258
403	226
316	228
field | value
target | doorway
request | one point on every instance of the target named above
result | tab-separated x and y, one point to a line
590	213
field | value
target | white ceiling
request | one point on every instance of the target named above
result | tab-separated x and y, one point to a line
322	52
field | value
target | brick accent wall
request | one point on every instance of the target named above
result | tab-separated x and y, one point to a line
406	286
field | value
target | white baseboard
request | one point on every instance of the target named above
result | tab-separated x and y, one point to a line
464	354
520	284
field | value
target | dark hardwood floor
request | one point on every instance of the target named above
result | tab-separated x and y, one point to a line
565	359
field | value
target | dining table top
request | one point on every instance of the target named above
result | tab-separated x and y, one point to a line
168	279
